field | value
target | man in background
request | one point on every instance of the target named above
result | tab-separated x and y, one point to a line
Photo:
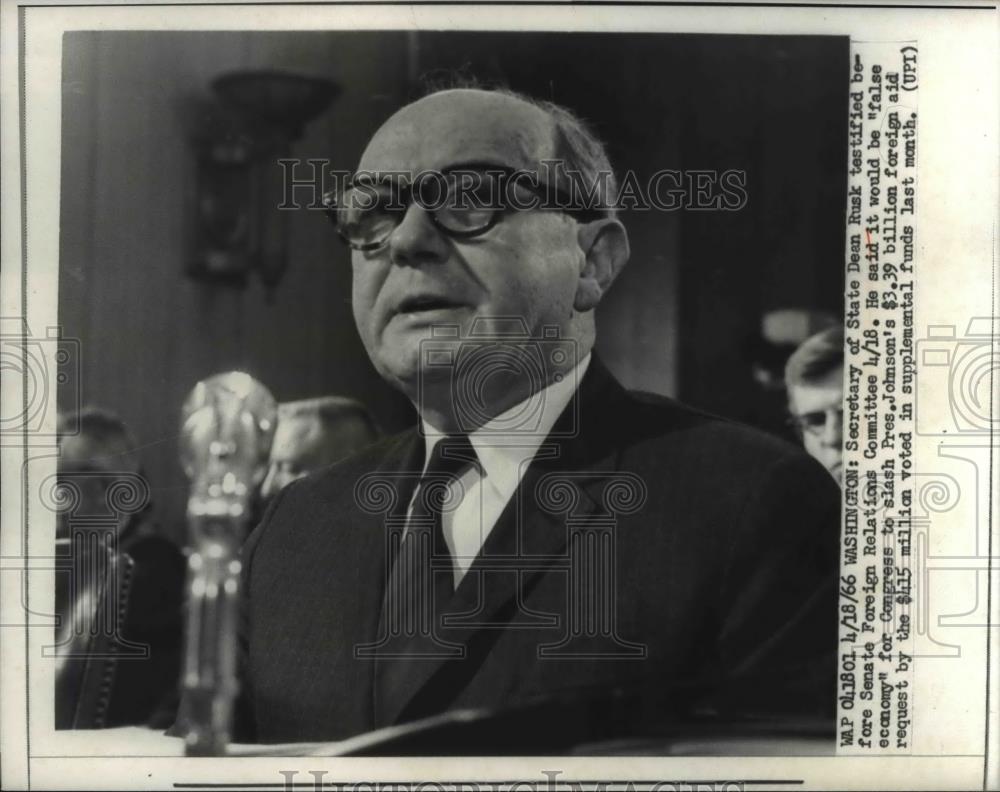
814	377
106	509
315	433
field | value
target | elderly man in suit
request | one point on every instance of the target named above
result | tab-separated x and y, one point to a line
542	534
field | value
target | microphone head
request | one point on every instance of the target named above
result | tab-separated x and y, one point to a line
227	427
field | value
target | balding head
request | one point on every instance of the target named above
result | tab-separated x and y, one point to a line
315	433
531	131
463	125
545	267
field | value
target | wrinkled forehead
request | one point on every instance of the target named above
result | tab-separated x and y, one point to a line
459	127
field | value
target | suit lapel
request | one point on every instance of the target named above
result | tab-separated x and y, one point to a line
380	499
530	535
563	481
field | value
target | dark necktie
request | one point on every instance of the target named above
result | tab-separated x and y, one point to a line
421	581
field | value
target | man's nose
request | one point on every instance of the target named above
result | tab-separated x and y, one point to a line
416	240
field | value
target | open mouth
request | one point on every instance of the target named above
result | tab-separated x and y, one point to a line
425	303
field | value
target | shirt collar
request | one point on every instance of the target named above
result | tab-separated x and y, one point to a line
502	444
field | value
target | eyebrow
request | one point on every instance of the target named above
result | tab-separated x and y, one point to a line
382	177
480	165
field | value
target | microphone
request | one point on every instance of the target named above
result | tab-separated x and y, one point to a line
227	426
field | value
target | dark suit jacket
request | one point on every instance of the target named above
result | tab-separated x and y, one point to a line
139	685
723	547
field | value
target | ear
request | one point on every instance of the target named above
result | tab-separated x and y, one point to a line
605	248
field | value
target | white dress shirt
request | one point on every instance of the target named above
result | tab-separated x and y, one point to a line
504	454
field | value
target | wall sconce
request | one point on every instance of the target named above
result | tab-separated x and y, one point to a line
237	140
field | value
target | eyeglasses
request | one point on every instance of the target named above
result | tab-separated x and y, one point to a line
462	203
815	421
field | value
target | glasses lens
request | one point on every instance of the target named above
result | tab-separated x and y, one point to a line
462	203
468	203
366	214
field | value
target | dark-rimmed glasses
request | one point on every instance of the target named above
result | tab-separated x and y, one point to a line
462	202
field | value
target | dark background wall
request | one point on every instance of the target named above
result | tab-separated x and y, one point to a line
682	320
